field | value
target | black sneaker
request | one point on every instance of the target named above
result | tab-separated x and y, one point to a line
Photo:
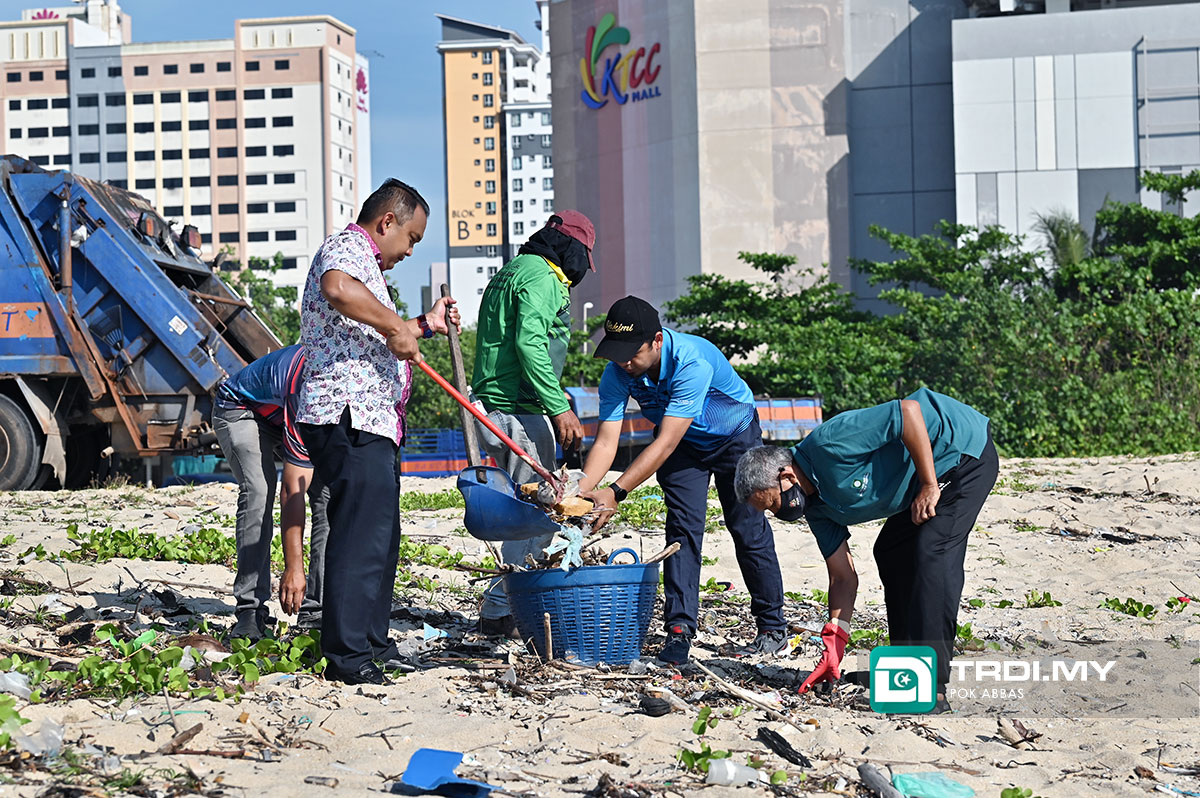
368	673
679	643
499	627
772	643
942	707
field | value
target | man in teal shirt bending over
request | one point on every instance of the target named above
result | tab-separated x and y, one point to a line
925	463
521	346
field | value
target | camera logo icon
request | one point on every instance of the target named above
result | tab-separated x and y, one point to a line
902	679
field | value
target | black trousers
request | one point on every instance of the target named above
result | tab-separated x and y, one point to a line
363	477
684	481
921	566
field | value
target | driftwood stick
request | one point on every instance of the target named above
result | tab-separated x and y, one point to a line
662	555
549	637
179	740
750	698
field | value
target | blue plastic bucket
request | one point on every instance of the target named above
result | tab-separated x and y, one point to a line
598	613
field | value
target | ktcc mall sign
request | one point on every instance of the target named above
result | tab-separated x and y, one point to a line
627	76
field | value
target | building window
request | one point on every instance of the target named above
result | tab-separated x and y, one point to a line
518	184
283	63
491	209
173	210
201	210
141	71
291	263
256	207
144	155
170	69
545	139
545	117
226	152
115	128
60	102
226	94
198	152
487	78
254	94
87	73
196	69
143	99
39	132
144	183
518	228
197	124
256	152
41	160
65	130
198	96
173	182
489	165
14	132
89	157
256	180
201	182
226	208
489	143
281	94
548	183
171	97
516	142
487	56
285	207
14	105
258	235
37	105
283	149
62	160
489	100
60	74
281	121
143	127
227	180
172	155
228	123
14	77
115	156
489	122
114	72
518	206
490	187
285	235
547	161
89	130
252	66
172	125
516	164
89	100
285	177
475	99
224	66
254	121
228	238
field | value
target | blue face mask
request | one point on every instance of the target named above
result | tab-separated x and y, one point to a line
792	502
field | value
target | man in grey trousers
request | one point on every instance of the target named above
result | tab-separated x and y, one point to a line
254	419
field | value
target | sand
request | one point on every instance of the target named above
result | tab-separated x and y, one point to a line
1041	530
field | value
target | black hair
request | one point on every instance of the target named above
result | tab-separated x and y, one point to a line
396	196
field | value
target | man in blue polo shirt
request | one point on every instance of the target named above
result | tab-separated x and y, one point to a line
926	463
704	420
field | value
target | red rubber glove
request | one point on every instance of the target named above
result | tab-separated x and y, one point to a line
828	669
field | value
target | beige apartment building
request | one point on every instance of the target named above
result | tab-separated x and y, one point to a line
262	140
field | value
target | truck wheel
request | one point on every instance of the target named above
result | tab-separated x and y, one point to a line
20	449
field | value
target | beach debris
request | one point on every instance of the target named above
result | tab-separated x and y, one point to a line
432	633
655	707
46	741
16	684
432	771
727	772
321	781
930	785
874	779
568	540
1016	733
775	741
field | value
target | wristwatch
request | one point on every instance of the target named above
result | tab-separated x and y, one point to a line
426	330
619	493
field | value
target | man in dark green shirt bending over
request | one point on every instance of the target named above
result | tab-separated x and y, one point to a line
926	463
521	346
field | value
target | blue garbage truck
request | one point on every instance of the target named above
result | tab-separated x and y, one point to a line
113	331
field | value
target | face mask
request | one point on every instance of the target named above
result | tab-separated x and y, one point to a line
792	502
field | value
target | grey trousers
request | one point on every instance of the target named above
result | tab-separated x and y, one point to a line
535	435
250	446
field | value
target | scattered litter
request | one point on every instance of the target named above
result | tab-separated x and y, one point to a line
47	741
775	741
432	771
321	781
433	633
727	772
54	605
15	684
655	707
930	785
875	780
569	540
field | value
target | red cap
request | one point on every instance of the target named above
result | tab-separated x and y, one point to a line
577	226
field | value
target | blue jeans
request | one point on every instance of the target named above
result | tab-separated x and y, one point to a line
684	481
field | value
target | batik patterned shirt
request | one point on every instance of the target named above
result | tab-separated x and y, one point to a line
349	364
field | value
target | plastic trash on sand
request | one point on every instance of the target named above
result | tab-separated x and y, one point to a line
46	741
433	633
728	772
432	771
16	684
930	785
568	540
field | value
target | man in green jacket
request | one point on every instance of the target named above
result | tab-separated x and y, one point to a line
521	346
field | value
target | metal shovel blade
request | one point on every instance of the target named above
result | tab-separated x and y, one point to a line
493	510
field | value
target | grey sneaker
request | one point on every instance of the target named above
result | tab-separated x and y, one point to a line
308	620
248	625
772	644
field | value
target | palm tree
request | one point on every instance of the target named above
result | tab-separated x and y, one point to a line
1066	240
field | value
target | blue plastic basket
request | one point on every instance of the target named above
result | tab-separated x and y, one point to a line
598	613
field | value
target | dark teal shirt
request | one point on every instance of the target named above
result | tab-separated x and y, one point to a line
862	470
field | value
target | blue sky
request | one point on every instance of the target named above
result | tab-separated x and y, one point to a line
399	38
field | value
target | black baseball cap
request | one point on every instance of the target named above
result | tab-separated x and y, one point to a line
631	322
